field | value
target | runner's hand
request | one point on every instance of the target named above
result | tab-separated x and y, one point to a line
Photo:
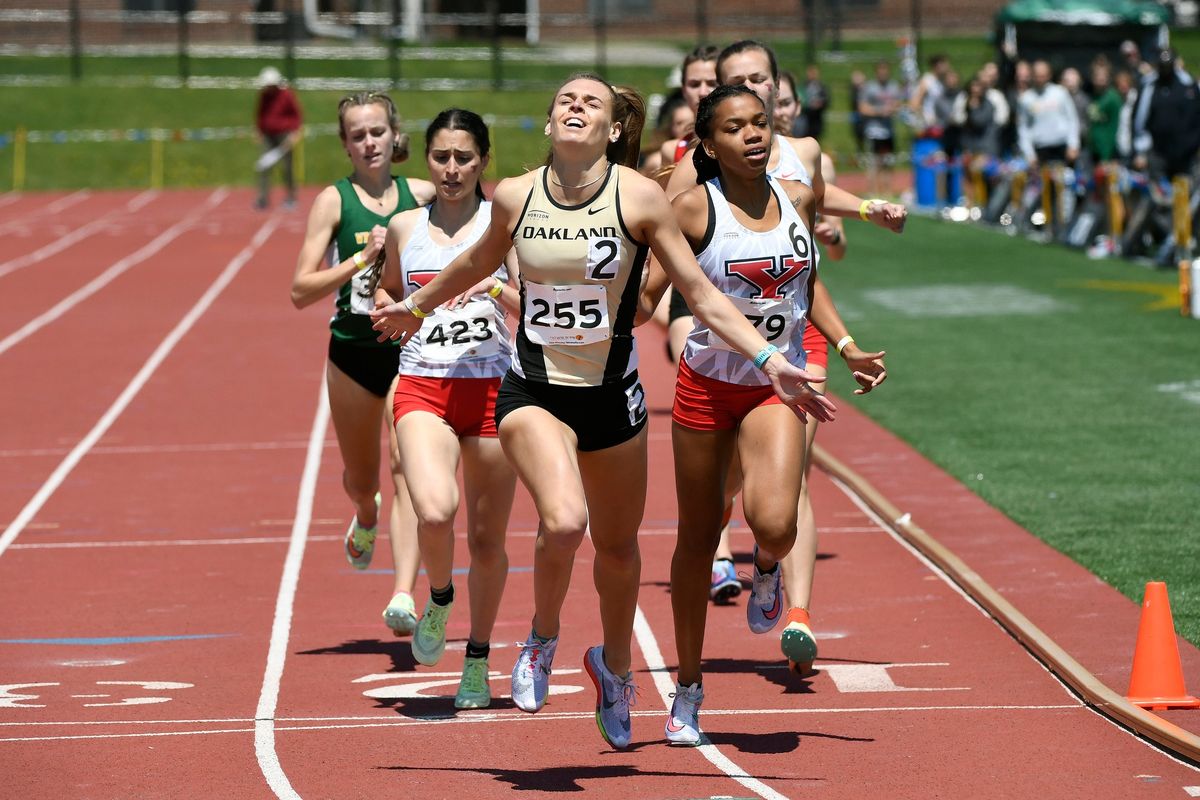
480	288
888	215
394	322
374	244
793	387
867	368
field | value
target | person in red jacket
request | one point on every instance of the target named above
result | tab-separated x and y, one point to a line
278	119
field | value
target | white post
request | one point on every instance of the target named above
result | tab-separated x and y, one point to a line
533	22
412	26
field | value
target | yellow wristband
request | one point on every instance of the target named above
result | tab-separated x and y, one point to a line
411	305
360	260
842	342
864	209
497	289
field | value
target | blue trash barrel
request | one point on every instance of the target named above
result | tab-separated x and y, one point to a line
925	172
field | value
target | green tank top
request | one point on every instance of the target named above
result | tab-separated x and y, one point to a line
350	322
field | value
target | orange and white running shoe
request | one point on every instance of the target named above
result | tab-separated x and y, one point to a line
798	642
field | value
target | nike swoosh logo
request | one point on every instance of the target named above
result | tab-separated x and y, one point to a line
774	612
672	727
596	210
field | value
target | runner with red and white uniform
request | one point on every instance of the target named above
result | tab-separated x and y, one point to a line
752	236
445	401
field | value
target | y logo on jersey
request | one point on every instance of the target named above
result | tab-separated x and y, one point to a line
418	278
768	275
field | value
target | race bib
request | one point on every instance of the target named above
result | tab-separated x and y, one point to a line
566	315
774	319
460	334
361	299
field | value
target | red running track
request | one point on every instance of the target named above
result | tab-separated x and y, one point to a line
179	621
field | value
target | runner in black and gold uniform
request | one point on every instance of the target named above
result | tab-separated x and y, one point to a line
570	412
347	224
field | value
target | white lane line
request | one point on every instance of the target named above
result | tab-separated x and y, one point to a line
268	699
9	197
68	201
665	686
169	543
161	449
104	278
144	374
142	199
1192	791
483	717
41	254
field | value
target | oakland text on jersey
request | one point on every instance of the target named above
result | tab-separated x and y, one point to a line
567	234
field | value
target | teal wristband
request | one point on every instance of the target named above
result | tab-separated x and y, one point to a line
763	355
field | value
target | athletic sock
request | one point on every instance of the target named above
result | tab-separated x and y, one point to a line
770	571
541	639
444	596
723	558
478	650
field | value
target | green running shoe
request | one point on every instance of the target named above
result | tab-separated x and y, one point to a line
401	614
429	639
473	689
360	541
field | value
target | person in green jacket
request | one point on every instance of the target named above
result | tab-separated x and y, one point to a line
1104	112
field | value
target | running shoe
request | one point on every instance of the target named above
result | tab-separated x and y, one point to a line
683	725
766	600
531	673
798	642
614	696
360	541
401	614
473	689
725	584
429	638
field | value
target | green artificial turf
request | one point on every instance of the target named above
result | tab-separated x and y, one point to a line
1051	385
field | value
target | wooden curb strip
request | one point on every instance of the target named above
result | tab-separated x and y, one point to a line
1178	741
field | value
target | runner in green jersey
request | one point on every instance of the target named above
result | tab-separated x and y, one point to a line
346	229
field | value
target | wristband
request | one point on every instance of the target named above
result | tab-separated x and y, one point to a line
411	305
842	342
764	355
497	289
360	260
864	208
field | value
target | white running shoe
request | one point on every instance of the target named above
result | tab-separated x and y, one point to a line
765	606
683	723
429	639
614	696
531	673
401	614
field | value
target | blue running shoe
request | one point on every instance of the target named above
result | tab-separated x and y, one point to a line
725	584
764	609
614	696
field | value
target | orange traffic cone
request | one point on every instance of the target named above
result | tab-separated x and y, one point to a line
1157	679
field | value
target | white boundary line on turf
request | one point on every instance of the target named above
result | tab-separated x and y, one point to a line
268	698
139	380
665	687
106	277
41	254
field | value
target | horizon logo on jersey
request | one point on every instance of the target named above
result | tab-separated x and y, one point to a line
566	234
768	275
362	237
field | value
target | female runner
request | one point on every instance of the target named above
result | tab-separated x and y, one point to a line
349	219
445	402
752	235
571	411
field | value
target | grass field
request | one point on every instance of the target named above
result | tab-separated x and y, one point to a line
1061	390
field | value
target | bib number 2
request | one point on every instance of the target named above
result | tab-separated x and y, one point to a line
566	315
